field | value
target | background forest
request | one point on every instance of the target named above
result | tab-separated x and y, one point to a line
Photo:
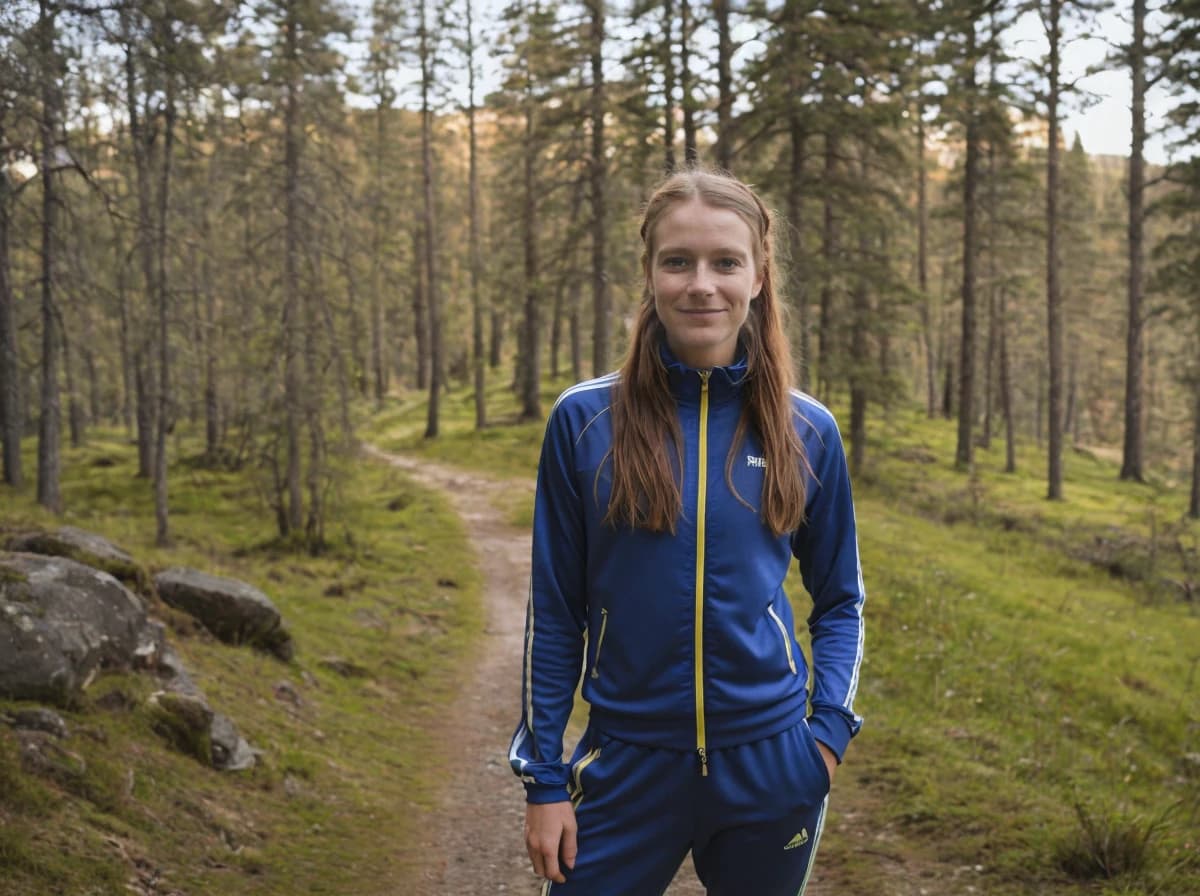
241	238
245	216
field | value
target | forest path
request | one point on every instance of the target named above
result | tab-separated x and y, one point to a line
472	843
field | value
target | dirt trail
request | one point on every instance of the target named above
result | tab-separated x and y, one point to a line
472	845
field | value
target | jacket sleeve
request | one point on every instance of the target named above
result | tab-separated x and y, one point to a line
826	546
555	620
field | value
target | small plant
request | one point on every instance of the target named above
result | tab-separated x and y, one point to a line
1109	843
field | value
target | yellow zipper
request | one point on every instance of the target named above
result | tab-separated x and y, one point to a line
701	497
787	642
600	642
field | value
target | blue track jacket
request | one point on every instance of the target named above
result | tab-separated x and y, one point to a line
685	641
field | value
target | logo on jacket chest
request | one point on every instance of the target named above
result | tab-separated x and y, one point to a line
753	460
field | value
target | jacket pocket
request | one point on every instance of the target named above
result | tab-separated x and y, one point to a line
786	636
600	642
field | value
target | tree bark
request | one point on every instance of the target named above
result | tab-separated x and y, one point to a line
668	62
598	177
531	344
925	299
10	371
724	147
1131	454
478	360
430	225
162	422
293	398
830	251
1194	502
687	100
1054	310
49	494
964	449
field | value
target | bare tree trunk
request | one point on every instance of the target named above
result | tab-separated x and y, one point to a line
797	281
1194	502
377	363
420	327
1006	396
1131	455
687	100
575	297
724	147
431	244
993	311
964	450
531	344
293	397
476	250
931	360
830	250
74	416
860	322
162	424
598	176
1054	310
49	494
127	362
668	87
10	370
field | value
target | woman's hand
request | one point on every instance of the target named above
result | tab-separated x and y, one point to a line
550	837
831	762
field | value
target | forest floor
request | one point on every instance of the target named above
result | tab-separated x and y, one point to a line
472	842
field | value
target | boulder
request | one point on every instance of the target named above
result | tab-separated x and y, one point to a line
194	728
235	612
84	547
39	719
61	622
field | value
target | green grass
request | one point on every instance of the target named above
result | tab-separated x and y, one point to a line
1025	658
330	808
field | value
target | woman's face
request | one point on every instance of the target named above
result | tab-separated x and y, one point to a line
703	277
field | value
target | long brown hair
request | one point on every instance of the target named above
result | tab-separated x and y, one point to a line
646	489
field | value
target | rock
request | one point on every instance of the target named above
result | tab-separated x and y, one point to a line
41	755
185	721
39	719
83	547
230	752
61	622
192	727
235	612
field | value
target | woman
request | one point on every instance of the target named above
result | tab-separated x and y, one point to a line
671	498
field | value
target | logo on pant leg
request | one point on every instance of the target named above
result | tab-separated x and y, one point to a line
799	840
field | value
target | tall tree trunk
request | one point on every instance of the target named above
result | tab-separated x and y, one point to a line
687	99
1131	455
293	393
993	310
530	360
162	423
964	449
1006	390
575	296
49	426
74	412
668	62
10	370
830	251
1054	309
419	304
377	362
598	177
724	147
797	281
925	299
1194	502
478	361
430	221
859	348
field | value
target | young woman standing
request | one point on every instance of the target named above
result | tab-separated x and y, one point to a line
672	496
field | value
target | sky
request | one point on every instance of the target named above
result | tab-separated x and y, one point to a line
1101	113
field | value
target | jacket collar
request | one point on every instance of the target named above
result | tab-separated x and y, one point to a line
724	383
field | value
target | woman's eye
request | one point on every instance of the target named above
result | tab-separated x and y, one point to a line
727	264
674	262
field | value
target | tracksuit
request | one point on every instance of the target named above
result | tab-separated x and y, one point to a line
702	726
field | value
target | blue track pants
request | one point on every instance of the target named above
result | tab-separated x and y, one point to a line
752	824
